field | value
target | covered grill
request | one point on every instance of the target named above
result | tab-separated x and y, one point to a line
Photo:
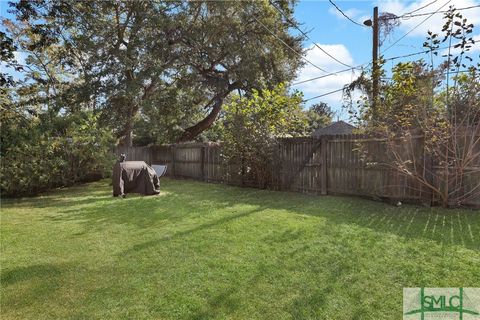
134	177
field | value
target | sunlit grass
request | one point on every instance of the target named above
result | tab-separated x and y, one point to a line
205	251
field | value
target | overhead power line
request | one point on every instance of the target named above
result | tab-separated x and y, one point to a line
323	76
413	54
357	67
411	30
418	9
323	95
343	14
408	16
361	65
284	43
383	78
306	35
327	75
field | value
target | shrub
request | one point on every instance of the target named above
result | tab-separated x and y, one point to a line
252	126
37	157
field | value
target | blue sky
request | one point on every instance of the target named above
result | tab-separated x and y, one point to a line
352	44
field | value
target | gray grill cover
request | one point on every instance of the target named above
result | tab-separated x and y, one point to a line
134	177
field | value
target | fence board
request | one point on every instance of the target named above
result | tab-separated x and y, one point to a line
326	165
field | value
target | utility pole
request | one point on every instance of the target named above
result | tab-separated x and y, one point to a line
376	71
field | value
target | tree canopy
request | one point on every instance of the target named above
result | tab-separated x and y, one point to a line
152	59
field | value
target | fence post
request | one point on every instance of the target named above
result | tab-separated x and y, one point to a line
323	171
428	167
202	163
150	157
173	161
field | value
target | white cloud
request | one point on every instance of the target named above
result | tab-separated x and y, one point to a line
330	83
435	22
400	7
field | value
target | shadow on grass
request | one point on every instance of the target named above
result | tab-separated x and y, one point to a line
221	303
192	207
24	286
39	271
444	226
176	235
174	204
183	199
227	299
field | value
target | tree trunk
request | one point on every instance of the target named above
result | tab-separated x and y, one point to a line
193	131
127	136
127	139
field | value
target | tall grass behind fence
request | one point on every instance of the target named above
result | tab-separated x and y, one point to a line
329	165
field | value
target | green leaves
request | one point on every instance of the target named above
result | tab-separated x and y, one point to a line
37	158
319	115
124	56
440	102
252	125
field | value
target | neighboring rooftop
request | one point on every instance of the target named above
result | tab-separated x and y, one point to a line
339	127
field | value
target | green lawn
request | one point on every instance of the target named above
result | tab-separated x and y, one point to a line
206	251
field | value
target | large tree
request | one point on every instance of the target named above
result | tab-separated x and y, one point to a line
129	55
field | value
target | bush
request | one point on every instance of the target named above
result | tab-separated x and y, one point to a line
251	127
37	157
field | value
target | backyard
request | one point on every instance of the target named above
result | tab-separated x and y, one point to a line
210	251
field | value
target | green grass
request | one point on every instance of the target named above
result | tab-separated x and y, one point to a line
206	251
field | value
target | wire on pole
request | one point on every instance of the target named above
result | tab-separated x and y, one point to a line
306	35
411	30
284	43
343	14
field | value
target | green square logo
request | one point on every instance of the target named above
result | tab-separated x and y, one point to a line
441	303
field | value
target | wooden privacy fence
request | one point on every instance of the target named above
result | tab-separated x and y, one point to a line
329	165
